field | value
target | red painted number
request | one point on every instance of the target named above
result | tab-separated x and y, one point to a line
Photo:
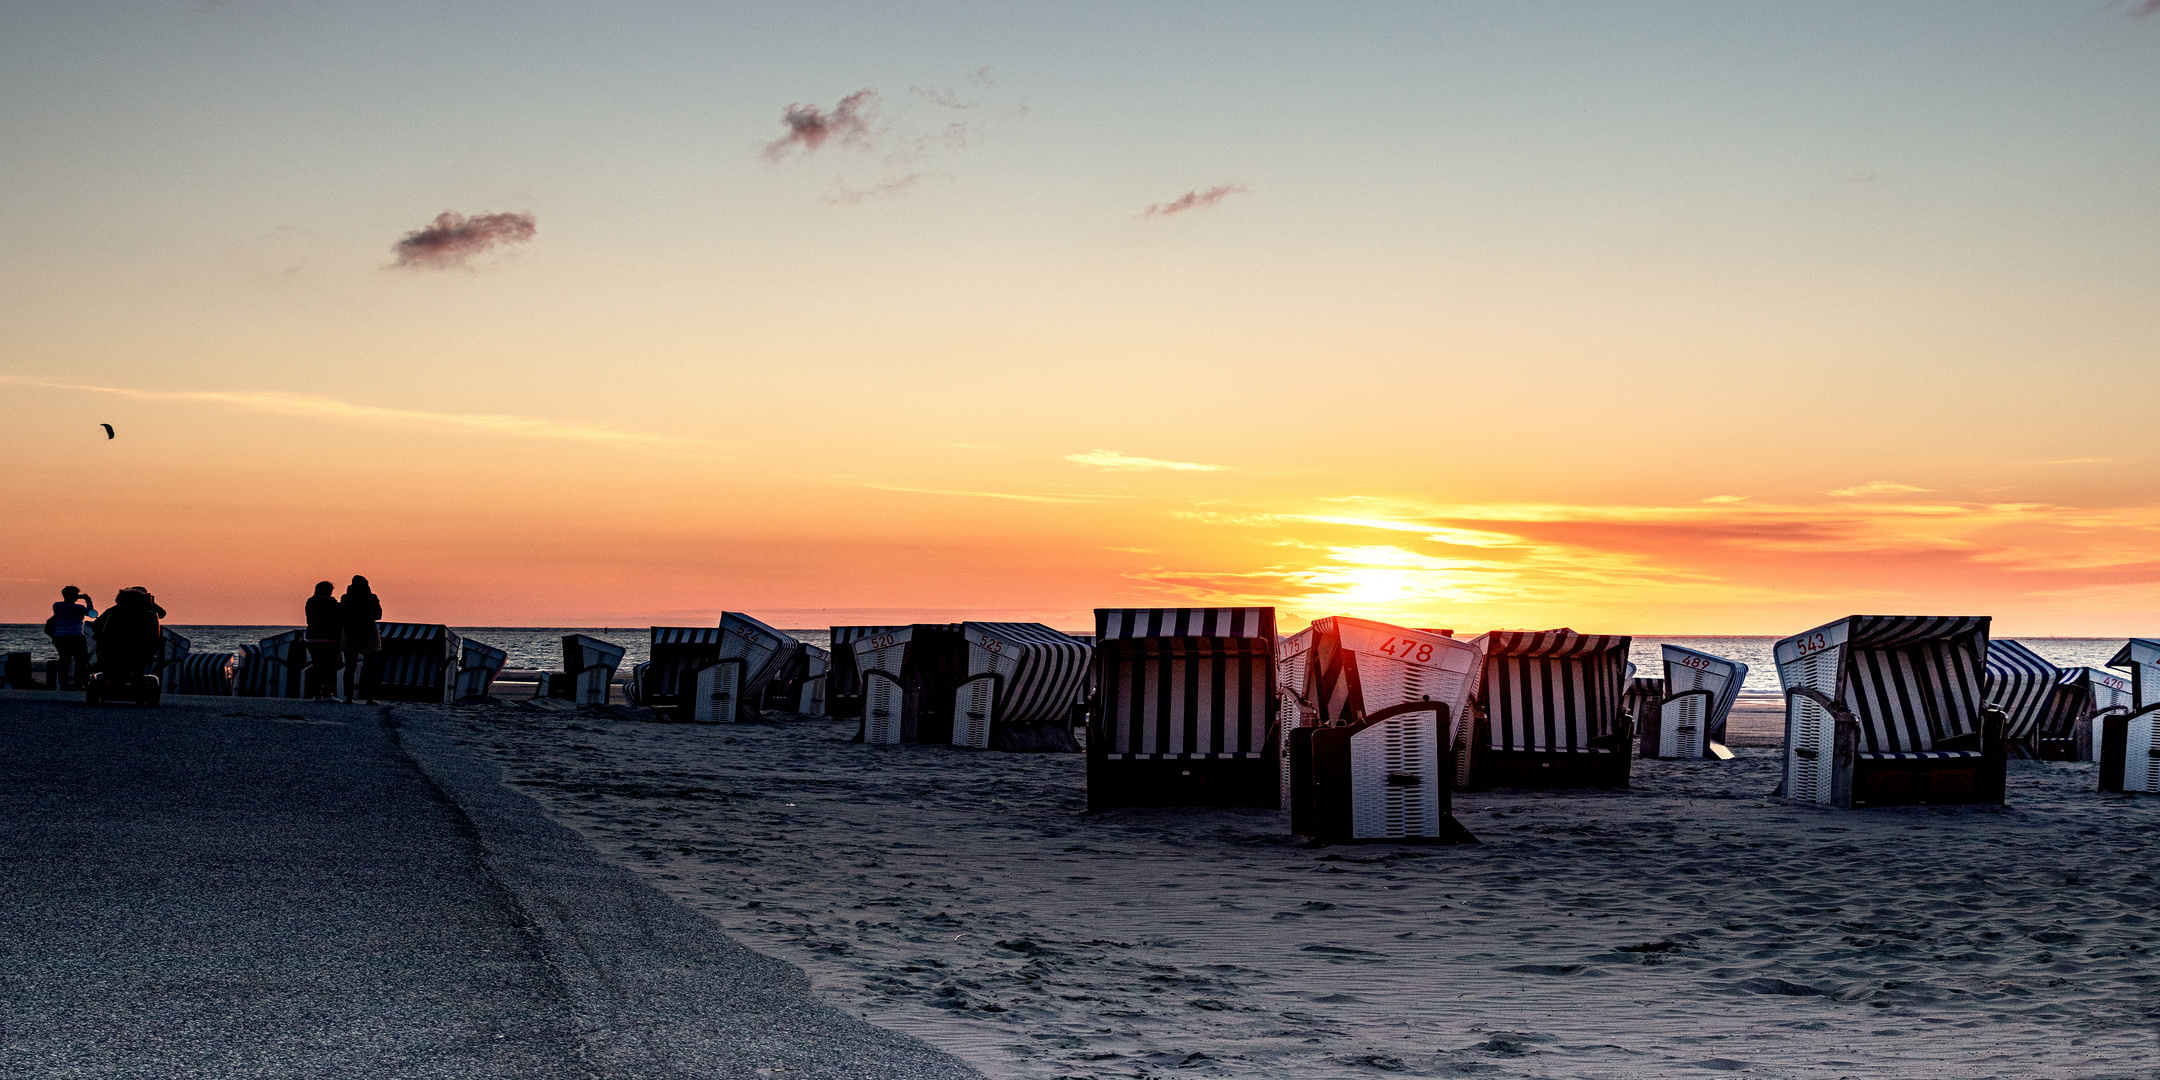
1405	649
1813	643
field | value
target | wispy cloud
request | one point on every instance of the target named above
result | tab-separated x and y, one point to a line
452	239
1195	200
926	122
1015	496
1726	499
810	127
1876	487
308	405
1120	462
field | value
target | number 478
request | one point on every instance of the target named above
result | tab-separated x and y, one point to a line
1406	649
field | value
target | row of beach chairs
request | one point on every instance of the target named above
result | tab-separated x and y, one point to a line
419	662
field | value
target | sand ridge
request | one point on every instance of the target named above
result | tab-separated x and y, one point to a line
1686	927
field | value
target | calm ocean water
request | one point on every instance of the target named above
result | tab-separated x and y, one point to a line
541	647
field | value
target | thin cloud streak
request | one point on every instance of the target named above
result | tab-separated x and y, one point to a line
308	405
1876	487
1114	461
1060	497
452	239
1195	200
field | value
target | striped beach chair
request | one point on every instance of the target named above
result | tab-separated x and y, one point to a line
172	653
1891	710
1548	712
1020	685
729	687
1640	699
2022	685
202	673
588	670
2082	696
416	662
1376	762
1688	721
658	683
276	668
910	676
478	664
1184	708
2123	743
843	684
816	666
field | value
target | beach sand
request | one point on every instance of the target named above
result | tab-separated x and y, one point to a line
1687	927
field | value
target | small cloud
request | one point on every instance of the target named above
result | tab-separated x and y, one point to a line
1195	200
810	127
453	238
1726	499
1877	487
1117	462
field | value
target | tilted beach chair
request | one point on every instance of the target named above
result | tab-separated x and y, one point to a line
1184	708
1019	687
589	666
2022	685
1548	713
1891	710
843	684
1689	720
203	673
2123	743
478	664
2082	696
658	683
910	677
416	662
816	666
1377	762
731	686
277	668
172	653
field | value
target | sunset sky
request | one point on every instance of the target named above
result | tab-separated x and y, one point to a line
1655	318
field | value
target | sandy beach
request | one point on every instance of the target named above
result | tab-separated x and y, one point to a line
1689	926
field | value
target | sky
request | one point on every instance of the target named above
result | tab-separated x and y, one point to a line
1655	318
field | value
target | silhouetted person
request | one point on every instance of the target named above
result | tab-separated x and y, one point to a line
128	633
73	664
325	639
360	609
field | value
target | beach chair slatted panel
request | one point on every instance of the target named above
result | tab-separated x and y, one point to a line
1549	711
589	666
1642	699
844	684
2022	684
2123	742
1295	683
1019	676
279	667
478	664
172	652
659	683
729	687
201	673
2070	726
1891	709
416	662
810	691
1700	691
1184	710
1378	764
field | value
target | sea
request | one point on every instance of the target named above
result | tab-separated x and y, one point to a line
541	646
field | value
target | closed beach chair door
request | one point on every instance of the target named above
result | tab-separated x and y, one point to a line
1018	675
844	685
1390	701
1889	710
1184	710
2022	685
880	660
1700	689
816	668
589	666
729	687
416	662
478	664
2124	743
280	667
1549	712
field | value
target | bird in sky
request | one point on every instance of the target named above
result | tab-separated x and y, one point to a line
108	430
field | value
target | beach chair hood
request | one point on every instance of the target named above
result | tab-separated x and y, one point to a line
1020	674
2021	684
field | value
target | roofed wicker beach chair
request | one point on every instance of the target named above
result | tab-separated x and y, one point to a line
815	666
1294	678
1548	713
1184	708
209	674
478	664
275	668
1377	761
658	682
731	686
843	684
2082	696
589	666
2124	742
1688	719
172	653
1891	710
910	677
2022	685
416	662
1019	687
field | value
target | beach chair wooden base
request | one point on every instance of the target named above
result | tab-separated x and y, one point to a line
1364	783
2130	752
1243	781
1543	771
1932	781
2076	746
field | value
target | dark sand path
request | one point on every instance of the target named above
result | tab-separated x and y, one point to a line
246	888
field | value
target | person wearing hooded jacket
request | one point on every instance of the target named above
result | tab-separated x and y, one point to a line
129	633
324	639
361	609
